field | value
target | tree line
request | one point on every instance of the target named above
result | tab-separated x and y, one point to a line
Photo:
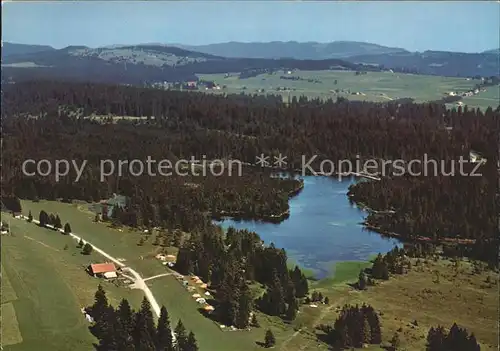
123	329
354	327
229	265
456	339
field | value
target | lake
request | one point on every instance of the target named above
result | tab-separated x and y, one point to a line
323	228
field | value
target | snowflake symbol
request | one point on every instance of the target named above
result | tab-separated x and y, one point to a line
280	161
262	160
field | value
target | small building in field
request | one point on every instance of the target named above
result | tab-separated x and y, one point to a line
209	308
103	270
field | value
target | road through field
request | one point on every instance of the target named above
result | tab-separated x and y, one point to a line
138	280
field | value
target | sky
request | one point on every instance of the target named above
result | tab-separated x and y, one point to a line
416	26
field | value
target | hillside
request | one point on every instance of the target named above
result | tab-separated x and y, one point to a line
9	49
441	63
492	51
429	62
143	63
293	49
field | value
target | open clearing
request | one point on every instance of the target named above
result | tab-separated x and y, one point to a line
10	327
464	298
167	290
48	287
373	86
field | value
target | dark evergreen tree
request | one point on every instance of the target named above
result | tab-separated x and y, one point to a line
100	305
244	308
180	336
269	339
125	319
292	309
105	330
67	228
43	218
57	222
87	249
255	322
435	339
144	333
191	344
362	280
51	219
164	340
30	217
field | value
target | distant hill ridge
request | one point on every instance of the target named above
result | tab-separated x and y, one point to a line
137	64
293	49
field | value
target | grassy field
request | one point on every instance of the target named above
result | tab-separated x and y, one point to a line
44	286
463	298
373	86
167	290
491	97
343	272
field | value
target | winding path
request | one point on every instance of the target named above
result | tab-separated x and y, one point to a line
138	280
157	276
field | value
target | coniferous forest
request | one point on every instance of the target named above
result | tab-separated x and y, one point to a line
47	120
54	121
123	329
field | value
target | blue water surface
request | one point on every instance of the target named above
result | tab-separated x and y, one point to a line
323	227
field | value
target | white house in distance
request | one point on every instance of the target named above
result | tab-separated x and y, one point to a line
106	270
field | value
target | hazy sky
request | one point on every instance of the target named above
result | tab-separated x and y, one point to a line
454	26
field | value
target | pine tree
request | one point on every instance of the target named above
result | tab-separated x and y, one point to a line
377	267
375	329
191	344
100	312
362	280
385	272
125	317
244	308
51	219
435	339
80	243
276	297
30	217
300	282
180	336
163	332
255	322
269	340
327	300
291	312
43	218
144	333
473	345
100	303
367	335
105	330
57	222
184	263
87	249
67	228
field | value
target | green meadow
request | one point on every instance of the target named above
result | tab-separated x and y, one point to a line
373	86
44	286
